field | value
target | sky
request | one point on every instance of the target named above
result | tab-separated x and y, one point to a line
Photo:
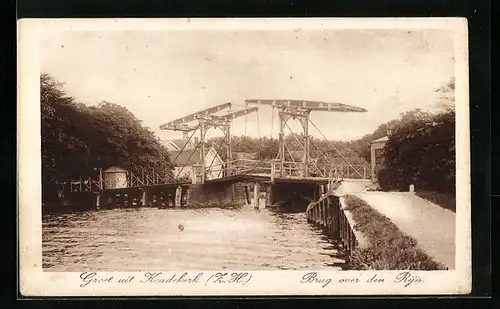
163	75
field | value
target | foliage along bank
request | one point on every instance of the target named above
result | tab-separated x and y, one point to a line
421	148
78	140
421	152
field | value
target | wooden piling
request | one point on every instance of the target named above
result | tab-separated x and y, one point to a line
325	209
335	222
178	195
335	210
256	195
98	201
147	198
118	200
187	193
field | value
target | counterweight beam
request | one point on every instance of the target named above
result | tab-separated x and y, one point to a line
308	105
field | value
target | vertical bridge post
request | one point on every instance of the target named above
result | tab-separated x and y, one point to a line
202	151
256	194
178	196
98	201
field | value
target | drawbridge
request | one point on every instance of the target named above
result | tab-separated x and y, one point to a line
283	168
284	174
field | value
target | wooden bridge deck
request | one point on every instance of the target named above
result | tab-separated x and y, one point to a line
267	178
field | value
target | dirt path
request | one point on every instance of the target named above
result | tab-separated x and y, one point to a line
351	186
431	226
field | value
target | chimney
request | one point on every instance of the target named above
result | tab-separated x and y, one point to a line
185	135
389	131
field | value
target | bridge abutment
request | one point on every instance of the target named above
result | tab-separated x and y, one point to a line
293	194
216	195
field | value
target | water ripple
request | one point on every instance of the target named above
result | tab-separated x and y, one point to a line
212	239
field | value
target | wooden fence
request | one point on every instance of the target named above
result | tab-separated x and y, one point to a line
335	221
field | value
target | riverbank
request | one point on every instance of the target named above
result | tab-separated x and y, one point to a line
444	200
389	248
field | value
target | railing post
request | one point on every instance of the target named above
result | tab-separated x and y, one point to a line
100	179
320	213
273	167
323	211
256	195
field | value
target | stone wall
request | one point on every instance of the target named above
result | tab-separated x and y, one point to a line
220	194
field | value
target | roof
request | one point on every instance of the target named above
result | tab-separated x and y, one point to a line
169	145
114	169
382	139
185	157
181	142
177	144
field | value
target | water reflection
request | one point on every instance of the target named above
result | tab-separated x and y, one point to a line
211	239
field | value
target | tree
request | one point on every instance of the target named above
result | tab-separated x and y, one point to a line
77	139
446	100
421	152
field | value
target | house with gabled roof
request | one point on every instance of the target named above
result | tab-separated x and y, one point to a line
178	144
188	161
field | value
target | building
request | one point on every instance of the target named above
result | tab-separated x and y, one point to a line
377	159
187	163
178	144
115	177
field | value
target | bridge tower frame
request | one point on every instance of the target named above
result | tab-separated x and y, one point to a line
206	121
300	109
284	115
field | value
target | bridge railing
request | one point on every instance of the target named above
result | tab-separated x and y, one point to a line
275	168
358	171
99	182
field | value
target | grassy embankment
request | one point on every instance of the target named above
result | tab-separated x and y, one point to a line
445	200
389	248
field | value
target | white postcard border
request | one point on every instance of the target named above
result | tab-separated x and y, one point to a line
35	282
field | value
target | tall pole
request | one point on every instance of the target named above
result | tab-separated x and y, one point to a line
202	150
229	150
282	141
100	179
305	122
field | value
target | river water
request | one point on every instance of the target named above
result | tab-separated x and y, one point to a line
196	239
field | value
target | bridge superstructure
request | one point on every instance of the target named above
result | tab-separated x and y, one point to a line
277	169
281	178
204	121
301	110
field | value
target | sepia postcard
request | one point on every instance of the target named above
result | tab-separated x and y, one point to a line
291	156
